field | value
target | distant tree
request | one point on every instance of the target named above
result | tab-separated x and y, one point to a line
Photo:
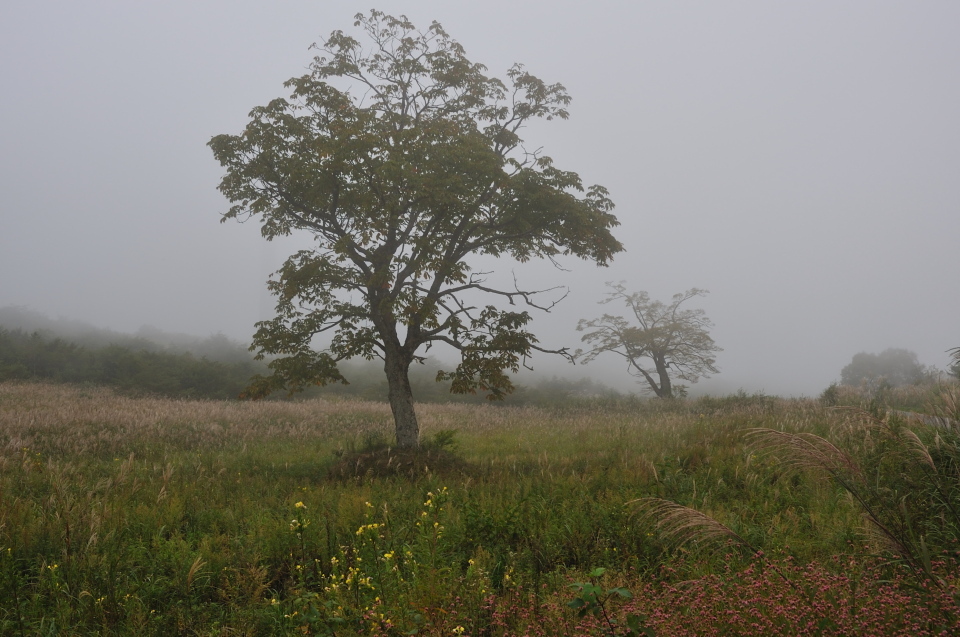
401	159
659	342
896	367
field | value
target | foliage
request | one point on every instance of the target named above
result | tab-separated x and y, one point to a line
665	342
894	367
402	160
593	599
131	369
955	366
908	489
830	396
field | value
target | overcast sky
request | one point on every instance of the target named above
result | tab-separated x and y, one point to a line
799	160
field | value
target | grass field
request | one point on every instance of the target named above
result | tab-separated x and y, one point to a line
139	516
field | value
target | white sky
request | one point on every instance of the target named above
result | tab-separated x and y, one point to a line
799	160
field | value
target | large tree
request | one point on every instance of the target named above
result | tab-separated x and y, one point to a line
402	160
660	342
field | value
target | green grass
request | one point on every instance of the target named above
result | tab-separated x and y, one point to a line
151	516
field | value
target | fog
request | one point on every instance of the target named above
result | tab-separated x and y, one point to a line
799	160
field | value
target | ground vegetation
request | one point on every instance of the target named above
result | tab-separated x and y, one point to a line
149	516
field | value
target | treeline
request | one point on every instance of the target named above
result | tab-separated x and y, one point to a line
216	347
146	369
156	363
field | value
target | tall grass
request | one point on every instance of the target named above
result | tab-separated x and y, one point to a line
144	516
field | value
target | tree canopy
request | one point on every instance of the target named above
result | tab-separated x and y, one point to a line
402	159
895	366
660	342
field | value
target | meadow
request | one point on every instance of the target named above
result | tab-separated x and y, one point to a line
741	515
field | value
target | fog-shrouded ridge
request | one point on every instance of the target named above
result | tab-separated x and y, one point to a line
36	347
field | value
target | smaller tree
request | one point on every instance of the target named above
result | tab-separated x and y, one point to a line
897	367
666	342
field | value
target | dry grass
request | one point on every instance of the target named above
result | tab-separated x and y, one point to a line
69	421
804	451
679	524
59	422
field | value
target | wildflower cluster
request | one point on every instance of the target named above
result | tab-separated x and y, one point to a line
379	580
433	509
369	527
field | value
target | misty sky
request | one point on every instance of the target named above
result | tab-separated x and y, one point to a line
799	160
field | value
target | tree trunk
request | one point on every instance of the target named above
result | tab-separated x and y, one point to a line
658	390
666	388
397	368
